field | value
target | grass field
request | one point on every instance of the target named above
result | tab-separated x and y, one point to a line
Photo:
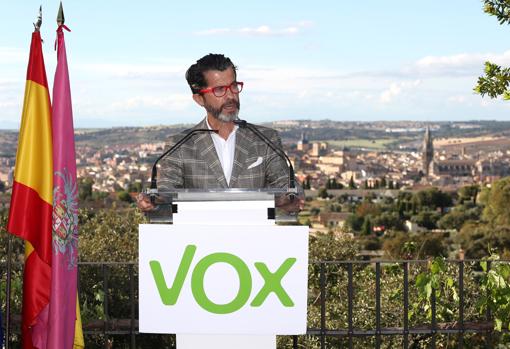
362	143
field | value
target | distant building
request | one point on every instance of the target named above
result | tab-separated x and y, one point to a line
303	144
455	168
427	152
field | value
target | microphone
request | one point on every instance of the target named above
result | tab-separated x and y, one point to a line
153	191
277	150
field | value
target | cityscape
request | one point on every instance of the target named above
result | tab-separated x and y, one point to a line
402	155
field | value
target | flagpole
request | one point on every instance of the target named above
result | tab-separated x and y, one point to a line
37	27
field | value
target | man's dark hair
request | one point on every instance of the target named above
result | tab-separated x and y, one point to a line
212	61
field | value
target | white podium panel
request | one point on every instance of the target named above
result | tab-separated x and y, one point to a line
218	341
228	277
223	279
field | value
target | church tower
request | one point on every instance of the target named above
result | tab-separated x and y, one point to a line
427	152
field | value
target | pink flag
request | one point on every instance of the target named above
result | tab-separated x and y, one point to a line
62	310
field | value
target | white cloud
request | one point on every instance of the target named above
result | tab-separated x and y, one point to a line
173	102
12	55
133	71
397	89
459	64
459	99
262	30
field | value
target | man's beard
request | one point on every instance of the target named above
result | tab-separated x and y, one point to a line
224	117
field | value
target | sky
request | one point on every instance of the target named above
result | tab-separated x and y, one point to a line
338	60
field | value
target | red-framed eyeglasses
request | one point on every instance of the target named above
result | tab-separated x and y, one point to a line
219	91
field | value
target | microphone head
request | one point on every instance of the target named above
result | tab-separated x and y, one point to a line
240	123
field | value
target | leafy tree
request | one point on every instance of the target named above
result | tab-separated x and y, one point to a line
85	188
390	220
469	193
497	208
477	239
323	193
498	8
135	187
455	219
124	196
496	80
432	198
354	222
366	228
426	219
352	185
367	208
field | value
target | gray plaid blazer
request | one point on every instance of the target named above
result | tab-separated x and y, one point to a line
195	165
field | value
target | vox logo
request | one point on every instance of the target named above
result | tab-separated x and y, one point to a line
272	281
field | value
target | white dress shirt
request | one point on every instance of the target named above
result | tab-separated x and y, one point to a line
225	148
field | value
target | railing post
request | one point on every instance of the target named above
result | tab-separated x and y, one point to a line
322	280
350	302
105	303
132	302
461	304
488	337
406	305
434	319
377	305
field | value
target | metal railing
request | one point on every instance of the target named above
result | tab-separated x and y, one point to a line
348	306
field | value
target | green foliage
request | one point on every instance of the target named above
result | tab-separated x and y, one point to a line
495	291
436	283
366	227
352	185
457	217
333	184
498	8
497	208
124	196
495	83
469	193
135	187
323	193
400	245
476	239
432	198
354	222
109	235
85	188
426	219
332	247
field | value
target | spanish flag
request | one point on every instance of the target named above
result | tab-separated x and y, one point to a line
30	215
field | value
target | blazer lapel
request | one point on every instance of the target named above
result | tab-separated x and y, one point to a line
240	155
204	143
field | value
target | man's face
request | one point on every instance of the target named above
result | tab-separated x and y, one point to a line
224	108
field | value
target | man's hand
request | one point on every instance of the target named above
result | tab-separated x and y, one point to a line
144	203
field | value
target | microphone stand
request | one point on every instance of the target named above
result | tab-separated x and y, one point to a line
277	150
153	191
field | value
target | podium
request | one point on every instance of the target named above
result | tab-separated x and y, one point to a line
217	271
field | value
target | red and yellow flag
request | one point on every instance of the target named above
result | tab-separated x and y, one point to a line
30	215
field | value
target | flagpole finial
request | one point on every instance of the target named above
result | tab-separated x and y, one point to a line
38	22
60	16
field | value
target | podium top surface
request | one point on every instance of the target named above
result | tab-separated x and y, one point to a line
229	194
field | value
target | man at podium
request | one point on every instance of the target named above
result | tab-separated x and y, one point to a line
221	152
235	157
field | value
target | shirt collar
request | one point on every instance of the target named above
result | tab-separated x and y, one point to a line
210	128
